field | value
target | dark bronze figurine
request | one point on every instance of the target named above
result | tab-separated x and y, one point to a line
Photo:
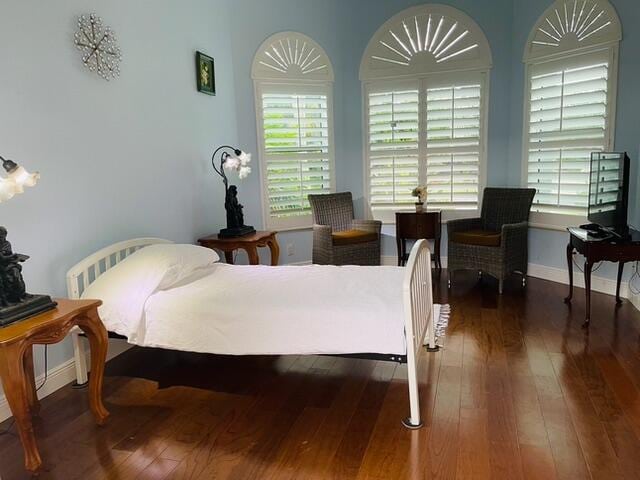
15	302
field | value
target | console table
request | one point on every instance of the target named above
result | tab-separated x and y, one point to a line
414	226
249	243
595	250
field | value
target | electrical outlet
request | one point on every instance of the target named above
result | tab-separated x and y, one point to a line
291	249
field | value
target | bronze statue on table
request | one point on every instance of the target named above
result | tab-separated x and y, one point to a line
235	217
15	303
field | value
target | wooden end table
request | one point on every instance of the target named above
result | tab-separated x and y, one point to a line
414	226
16	363
249	243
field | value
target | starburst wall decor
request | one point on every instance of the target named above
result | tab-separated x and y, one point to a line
97	42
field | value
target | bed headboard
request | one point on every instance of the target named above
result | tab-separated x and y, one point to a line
83	273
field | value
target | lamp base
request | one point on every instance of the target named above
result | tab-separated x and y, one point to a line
30	306
236	232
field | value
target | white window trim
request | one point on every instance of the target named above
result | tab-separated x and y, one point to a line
291	81
557	221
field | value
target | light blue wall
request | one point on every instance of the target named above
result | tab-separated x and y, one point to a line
118	159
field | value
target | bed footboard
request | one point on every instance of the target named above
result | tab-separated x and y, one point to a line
418	318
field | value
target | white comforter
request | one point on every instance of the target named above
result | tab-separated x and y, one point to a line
242	310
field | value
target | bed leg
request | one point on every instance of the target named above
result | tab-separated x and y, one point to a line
413	422
430	338
80	356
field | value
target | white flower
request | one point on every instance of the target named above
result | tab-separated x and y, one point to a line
245	159
232	163
244	172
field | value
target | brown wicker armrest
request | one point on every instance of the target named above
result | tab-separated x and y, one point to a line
367	225
322	237
463	224
514	236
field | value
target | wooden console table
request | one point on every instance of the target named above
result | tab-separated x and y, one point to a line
16	363
414	226
249	243
598	250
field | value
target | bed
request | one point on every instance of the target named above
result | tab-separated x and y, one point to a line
367	312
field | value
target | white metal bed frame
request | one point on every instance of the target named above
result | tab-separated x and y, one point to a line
417	301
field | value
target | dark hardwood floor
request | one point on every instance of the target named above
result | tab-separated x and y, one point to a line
520	391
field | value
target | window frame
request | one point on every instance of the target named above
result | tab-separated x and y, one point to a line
564	60
422	82
292	81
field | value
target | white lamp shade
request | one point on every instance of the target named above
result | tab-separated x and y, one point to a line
7	189
22	178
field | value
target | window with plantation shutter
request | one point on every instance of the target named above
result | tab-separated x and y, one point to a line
453	139
568	121
571	59
393	146
425	74
296	146
294	82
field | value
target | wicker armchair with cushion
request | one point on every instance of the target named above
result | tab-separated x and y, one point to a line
496	243
338	239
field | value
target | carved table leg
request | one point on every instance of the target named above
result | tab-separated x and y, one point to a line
13	381
96	333
620	269
587	291
252	252
228	257
30	380
275	251
570	268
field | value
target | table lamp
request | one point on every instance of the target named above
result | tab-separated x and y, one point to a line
15	303
237	161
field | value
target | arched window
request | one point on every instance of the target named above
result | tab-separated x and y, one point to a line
425	77
571	61
294	106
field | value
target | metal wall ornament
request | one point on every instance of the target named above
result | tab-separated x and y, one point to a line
97	42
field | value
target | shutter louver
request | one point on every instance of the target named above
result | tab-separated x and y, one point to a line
393	147
567	122
297	151
453	146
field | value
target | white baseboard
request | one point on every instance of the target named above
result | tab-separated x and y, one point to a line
62	375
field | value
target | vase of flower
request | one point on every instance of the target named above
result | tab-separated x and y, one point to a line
420	193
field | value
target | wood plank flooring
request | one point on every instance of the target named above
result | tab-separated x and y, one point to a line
520	391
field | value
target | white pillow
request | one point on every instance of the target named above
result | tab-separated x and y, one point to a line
125	288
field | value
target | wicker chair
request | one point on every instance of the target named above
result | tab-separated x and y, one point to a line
495	243
338	239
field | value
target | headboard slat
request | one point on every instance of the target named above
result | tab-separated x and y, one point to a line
78	276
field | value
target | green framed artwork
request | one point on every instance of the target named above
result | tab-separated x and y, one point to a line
205	74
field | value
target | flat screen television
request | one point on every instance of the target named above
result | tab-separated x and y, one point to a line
609	191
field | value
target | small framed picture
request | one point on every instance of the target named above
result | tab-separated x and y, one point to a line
205	74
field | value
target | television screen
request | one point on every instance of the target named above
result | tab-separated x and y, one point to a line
609	189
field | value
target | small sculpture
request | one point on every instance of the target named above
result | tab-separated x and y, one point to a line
15	302
12	287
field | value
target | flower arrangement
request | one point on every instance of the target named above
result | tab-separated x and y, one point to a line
421	193
238	163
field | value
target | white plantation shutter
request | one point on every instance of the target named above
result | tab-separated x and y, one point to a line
393	147
453	137
568	119
297	151
432	135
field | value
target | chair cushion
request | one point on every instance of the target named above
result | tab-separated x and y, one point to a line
481	238
351	237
